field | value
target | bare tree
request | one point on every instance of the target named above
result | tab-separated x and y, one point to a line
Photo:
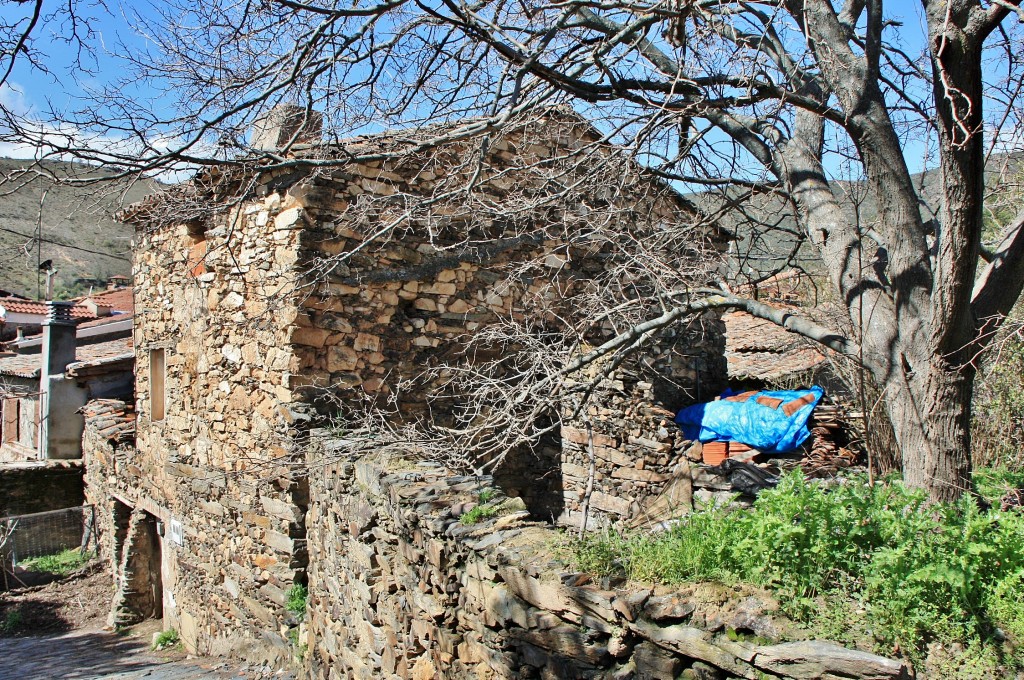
755	101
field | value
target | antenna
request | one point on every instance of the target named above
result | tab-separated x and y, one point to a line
39	251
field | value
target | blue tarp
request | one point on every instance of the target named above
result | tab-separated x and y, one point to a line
772	421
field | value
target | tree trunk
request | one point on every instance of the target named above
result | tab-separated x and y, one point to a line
930	414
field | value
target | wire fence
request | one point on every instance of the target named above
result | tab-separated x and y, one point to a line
24	537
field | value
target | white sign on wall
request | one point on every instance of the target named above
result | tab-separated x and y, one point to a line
176	533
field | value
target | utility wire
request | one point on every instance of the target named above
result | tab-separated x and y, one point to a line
64	245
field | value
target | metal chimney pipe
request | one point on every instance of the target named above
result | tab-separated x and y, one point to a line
59	344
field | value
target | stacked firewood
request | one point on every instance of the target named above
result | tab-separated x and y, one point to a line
111	418
832	443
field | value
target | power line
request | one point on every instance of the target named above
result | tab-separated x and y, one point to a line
65	245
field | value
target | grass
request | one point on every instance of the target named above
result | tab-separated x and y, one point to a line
166	639
298	598
909	573
58	564
11	622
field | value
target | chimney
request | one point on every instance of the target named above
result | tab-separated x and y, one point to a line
58	351
274	129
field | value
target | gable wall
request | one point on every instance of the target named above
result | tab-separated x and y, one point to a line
251	346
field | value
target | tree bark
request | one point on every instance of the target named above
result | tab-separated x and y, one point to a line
930	416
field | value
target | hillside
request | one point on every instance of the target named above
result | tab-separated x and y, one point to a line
768	234
79	233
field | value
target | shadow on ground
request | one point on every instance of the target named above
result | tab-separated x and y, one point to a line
75	655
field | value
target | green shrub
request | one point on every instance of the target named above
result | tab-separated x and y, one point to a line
921	572
997	414
167	638
478	514
58	564
298	597
11	621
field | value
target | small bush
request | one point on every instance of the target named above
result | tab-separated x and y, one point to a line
997	414
11	622
58	564
166	639
298	598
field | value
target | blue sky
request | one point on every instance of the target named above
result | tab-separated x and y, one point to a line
31	91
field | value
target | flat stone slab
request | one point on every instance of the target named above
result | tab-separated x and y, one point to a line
820	659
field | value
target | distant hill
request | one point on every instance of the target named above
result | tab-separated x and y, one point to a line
79	234
768	236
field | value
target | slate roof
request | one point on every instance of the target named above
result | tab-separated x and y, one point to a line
30	365
760	350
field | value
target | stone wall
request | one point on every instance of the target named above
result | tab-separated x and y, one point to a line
39	486
241	546
400	588
376	315
261	314
213	458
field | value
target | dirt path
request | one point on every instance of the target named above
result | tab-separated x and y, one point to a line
97	654
78	602
55	631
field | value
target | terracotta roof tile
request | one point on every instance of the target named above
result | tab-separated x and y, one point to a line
110	418
21	365
103	351
119	299
19	306
760	350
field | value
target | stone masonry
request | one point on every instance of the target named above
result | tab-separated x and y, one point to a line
402	587
327	289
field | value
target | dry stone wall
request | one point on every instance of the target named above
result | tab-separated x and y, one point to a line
216	418
376	315
325	289
39	486
401	588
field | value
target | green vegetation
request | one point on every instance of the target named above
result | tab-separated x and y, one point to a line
486	496
298	650
166	639
79	231
478	514
298	597
11	622
58	564
901	572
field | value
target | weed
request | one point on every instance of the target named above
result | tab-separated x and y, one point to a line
478	514
486	495
11	622
298	650
166	639
298	598
58	564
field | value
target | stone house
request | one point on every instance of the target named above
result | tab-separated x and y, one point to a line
327	288
47	378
